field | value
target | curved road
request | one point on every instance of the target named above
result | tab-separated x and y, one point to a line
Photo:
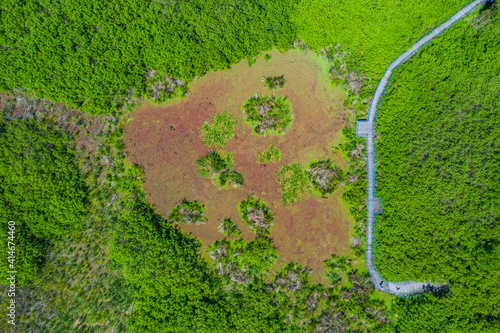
365	129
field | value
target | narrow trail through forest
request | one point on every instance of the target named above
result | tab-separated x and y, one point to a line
365	128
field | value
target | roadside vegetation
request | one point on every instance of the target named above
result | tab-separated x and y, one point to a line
268	114
439	177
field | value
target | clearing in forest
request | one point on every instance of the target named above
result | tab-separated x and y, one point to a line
165	141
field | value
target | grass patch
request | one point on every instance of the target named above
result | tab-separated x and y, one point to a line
188	212
268	154
220	132
220	170
293	182
268	114
257	215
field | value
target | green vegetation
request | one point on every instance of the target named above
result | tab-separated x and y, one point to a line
368	35
220	132
294	183
275	82
187	212
96	56
92	254
267	57
251	61
268	113
41	191
268	154
240	261
229	228
220	170
257	215
335	265
324	176
439	178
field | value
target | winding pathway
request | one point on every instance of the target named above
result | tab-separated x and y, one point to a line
366	129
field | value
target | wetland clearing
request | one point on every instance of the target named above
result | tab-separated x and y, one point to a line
164	140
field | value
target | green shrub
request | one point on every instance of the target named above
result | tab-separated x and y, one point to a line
275	82
220	132
241	261
293	182
325	177
257	215
251	61
268	154
268	113
187	212
220	170
335	265
229	228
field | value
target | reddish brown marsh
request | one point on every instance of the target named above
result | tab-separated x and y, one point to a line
164	141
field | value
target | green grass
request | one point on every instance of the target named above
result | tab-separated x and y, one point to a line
220	132
269	154
294	183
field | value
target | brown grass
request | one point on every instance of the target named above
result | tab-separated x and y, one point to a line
165	142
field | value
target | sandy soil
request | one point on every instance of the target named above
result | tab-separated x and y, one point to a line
164	141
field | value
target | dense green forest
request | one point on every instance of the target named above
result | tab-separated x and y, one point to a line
41	191
438	172
99	55
369	34
94	256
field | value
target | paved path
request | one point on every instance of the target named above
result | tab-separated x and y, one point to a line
365	129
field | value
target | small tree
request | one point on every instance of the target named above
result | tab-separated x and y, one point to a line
257	215
229	228
220	132
188	212
274	82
